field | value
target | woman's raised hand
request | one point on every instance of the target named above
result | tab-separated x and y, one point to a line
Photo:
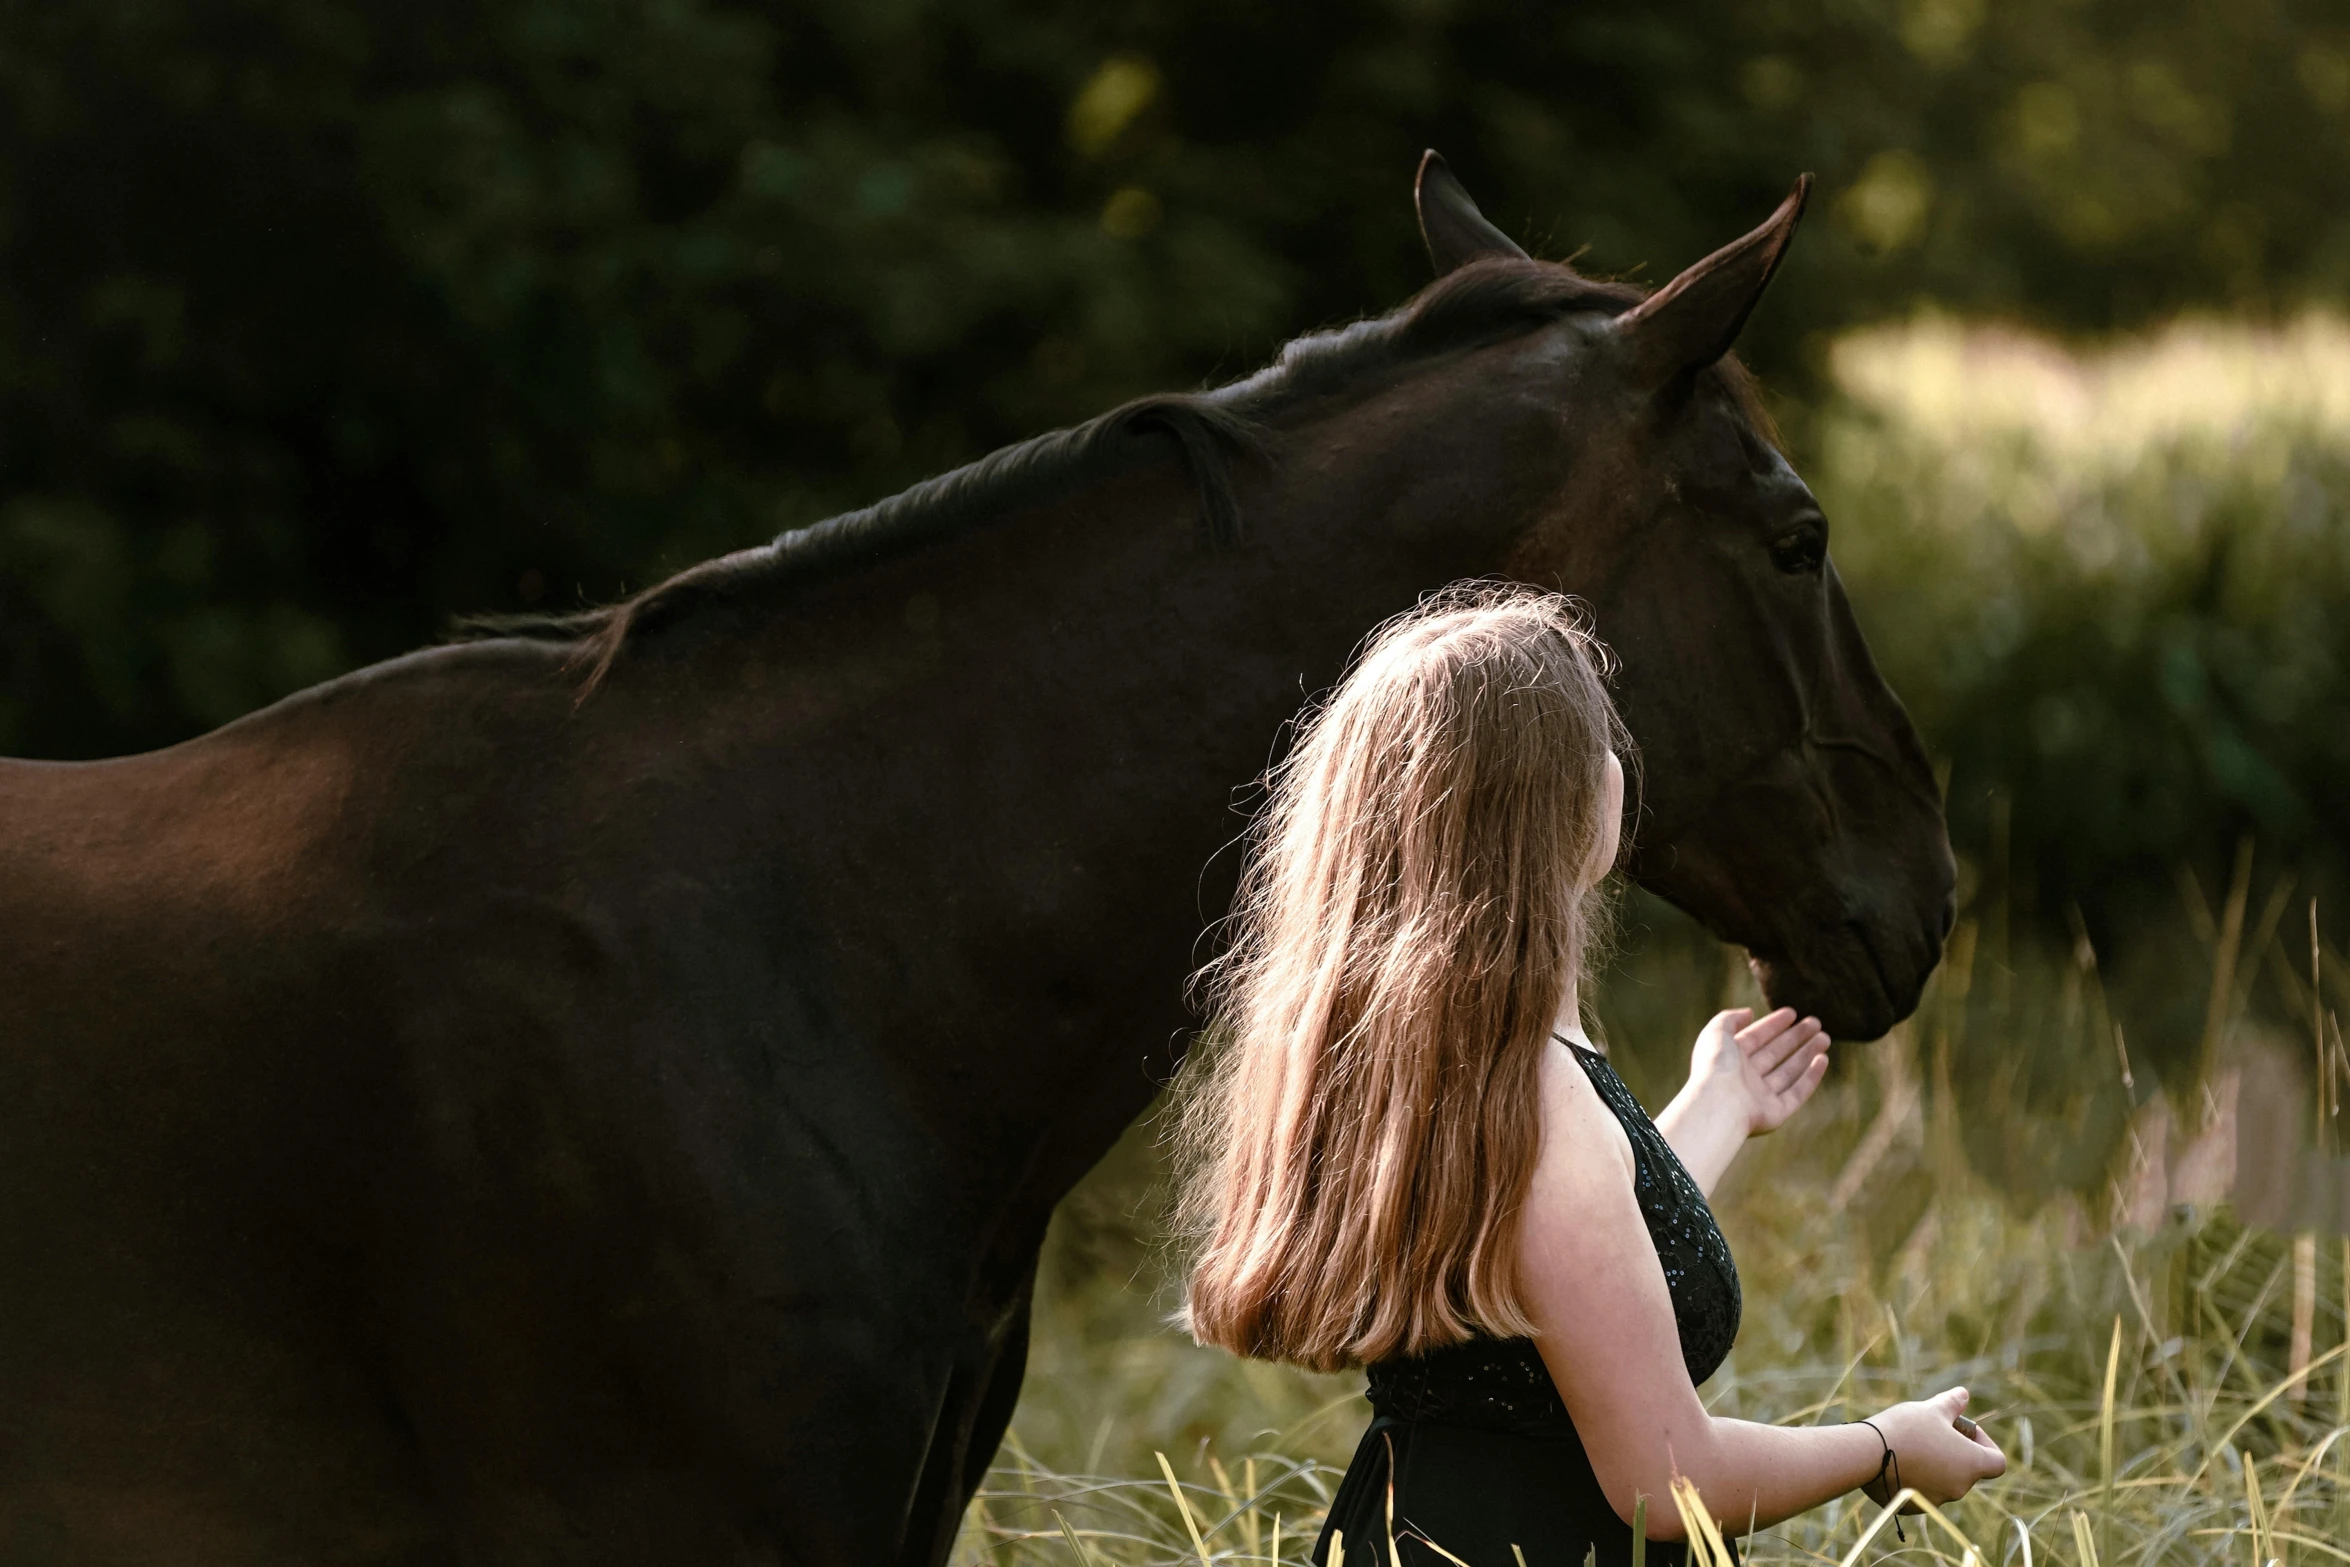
1938	1459
1767	1066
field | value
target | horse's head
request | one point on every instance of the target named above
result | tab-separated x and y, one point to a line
1786	802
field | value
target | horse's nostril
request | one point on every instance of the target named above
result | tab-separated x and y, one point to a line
1949	914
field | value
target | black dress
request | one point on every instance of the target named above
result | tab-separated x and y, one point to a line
1484	1453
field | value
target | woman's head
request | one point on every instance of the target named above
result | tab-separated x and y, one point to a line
1423	891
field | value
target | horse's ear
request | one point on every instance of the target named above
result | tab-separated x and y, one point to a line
1693	320
1455	230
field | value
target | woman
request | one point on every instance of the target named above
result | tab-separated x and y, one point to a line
1406	1154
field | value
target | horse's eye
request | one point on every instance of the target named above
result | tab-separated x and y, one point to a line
1799	550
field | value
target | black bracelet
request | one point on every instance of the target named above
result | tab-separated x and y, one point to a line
1890	1464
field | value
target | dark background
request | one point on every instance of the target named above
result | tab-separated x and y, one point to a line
322	323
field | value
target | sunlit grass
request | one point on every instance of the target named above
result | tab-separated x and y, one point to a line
2139	1380
2194	1441
2098	412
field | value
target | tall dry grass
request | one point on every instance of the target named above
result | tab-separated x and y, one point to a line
2140	1379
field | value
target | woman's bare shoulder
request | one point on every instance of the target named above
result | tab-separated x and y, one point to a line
1581	1236
1581	1137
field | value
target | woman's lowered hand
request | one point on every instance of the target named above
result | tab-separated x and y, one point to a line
1938	1452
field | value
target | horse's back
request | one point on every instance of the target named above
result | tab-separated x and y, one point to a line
191	1087
342	1142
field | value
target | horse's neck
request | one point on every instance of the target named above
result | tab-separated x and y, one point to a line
1003	767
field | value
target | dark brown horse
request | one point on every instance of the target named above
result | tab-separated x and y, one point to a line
595	1094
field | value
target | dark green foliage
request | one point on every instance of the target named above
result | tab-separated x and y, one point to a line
322	322
2111	588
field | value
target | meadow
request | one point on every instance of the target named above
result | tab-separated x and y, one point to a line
2108	582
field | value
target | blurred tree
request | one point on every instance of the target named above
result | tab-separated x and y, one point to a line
2110	586
322	320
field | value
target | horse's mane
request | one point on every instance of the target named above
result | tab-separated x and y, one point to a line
1483	302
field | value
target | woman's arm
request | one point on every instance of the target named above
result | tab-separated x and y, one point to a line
1589	1276
1747	1075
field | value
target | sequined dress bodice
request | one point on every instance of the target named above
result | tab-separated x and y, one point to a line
1502	1384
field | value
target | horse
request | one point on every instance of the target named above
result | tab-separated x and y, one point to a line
595	1092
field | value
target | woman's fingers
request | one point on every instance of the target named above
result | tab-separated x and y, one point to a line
1778	1103
1762	1028
1810	1043
1777	1038
1815	1072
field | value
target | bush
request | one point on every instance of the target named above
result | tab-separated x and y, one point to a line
2110	583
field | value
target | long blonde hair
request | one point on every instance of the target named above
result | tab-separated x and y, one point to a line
1358	1130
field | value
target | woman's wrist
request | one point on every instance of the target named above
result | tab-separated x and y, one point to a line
1885	1481
1858	1450
1884	1465
1706	1127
